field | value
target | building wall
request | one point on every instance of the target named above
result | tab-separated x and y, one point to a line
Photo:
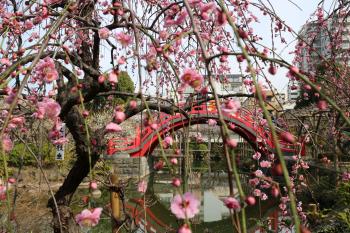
336	29
274	102
224	84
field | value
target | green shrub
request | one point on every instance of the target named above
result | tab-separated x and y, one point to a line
21	156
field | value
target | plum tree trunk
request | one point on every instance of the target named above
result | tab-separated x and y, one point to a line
80	169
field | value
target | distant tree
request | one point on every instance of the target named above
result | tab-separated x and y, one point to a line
328	76
124	85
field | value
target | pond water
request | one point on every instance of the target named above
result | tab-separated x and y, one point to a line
213	216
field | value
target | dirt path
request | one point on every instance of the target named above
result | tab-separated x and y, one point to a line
31	214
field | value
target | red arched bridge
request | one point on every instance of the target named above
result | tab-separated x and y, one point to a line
243	121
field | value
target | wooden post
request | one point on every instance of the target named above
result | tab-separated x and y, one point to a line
115	205
209	155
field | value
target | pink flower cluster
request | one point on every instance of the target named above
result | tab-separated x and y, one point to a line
123	39
231	106
45	70
175	16
49	108
7	143
192	78
16	122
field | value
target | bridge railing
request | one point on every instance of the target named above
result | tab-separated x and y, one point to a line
163	120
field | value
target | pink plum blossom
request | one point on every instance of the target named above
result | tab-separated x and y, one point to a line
142	186
159	165
322	105
257	192
346	176
101	79
256	155
287	137
45	70
263	196
221	18
113	127
232	203
132	104
192	78
85	113
60	141
205	9
231	106
154	126
103	33
12	180
19	121
49	108
184	229
168	140
119	116
11	94
272	69
5	61
188	75
250	200
88	218
232	126
212	122
124	39
293	70
265	185
28	24
265	164
196	82
2	192
174	161
176	182
231	142
113	78
93	185
186	206
7	143
179	19
254	181
121	60
258	173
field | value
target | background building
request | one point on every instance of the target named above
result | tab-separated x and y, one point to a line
274	102
319	41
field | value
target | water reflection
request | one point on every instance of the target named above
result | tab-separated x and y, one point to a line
211	194
213	216
213	208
